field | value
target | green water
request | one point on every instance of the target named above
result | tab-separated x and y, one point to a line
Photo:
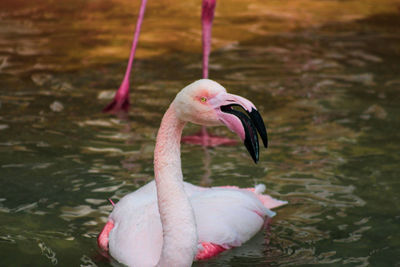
329	93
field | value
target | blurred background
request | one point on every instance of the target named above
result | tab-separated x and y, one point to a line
323	73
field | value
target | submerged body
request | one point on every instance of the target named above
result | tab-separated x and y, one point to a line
134	227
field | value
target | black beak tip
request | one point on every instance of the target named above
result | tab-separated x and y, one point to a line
260	126
254	156
252	147
255	160
251	124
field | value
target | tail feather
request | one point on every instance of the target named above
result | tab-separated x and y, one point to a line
259	189
268	201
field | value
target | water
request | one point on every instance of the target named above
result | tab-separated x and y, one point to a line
327	86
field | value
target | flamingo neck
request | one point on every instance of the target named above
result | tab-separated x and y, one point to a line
176	213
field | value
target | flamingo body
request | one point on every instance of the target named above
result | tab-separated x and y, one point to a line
226	217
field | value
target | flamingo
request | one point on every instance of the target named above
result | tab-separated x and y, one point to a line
169	222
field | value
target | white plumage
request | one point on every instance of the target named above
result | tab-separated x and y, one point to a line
220	215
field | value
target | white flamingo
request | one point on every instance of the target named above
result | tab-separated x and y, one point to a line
169	222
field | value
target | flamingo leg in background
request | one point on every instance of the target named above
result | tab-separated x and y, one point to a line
121	100
203	137
207	17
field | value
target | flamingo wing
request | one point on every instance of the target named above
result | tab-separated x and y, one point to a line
228	217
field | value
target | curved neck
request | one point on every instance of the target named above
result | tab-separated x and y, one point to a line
176	213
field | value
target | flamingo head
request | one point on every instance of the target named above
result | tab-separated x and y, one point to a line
206	102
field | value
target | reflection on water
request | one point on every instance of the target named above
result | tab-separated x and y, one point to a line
327	86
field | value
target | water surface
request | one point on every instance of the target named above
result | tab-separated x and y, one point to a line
324	75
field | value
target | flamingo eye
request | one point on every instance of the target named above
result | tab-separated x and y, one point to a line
203	99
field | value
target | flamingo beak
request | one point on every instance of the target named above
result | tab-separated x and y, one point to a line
245	125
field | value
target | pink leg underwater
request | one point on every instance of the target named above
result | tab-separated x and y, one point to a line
121	100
